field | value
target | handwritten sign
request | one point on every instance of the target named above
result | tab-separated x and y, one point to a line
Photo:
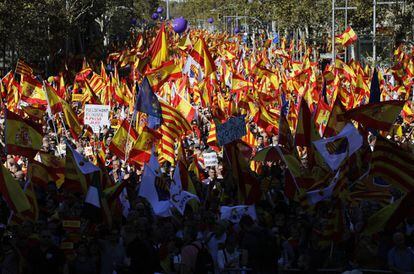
233	129
88	151
210	159
96	116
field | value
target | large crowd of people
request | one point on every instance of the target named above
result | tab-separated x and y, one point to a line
286	233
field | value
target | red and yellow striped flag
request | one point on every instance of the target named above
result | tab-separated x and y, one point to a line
393	164
12	193
159	49
23	137
173	126
166	72
23	69
202	56
123	140
347	38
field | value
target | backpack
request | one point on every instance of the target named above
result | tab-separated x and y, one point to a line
204	262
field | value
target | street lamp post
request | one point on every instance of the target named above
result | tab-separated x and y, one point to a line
374	28
168	9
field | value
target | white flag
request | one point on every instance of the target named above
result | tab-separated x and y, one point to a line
178	197
318	195
336	149
235	213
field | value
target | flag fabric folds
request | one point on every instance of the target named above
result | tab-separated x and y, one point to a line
347	38
380	115
393	164
22	136
12	192
336	149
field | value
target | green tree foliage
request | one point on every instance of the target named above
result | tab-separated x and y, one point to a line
46	33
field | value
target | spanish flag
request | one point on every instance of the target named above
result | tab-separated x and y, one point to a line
12	193
347	38
202	56
71	120
123	140
379	115
166	72
32	91
159	49
23	137
303	127
53	99
141	149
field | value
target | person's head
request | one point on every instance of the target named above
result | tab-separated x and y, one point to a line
212	173
399	240
259	140
115	164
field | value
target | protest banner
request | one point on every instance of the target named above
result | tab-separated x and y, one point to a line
210	159
96	116
233	129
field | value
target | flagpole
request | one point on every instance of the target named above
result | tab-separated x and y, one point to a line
49	114
333	31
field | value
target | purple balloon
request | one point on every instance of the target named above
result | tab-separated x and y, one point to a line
133	21
228	20
154	16
210	20
179	25
236	30
160	10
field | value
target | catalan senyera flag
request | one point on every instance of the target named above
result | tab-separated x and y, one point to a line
380	116
23	137
12	193
347	38
159	49
202	56
123	140
141	149
173	126
166	72
23	69
53	99
212	137
393	164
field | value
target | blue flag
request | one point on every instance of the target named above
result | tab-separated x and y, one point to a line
375	92
285	104
147	101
